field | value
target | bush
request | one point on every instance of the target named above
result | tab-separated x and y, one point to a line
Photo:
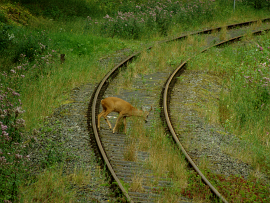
5	37
257	4
133	21
13	152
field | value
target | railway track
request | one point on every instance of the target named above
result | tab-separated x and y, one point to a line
110	148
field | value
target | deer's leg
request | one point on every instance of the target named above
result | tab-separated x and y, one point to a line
106	119
117	121
99	116
104	114
125	123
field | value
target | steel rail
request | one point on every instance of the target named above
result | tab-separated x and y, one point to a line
166	92
93	105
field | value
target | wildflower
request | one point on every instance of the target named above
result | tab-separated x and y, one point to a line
20	122
18	156
13	71
107	16
10	37
4	127
15	93
18	111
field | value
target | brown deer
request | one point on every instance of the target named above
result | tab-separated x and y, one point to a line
125	109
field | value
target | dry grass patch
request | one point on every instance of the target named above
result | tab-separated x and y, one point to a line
130	152
136	184
165	159
223	34
80	177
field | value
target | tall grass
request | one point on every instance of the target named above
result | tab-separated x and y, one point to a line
244	102
78	30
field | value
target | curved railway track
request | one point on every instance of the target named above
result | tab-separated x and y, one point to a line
108	145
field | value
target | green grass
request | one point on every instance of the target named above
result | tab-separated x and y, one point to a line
244	101
42	30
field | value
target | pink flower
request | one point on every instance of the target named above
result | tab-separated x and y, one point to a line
3	127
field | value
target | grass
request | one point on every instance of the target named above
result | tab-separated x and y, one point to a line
223	69
43	30
242	110
165	160
50	186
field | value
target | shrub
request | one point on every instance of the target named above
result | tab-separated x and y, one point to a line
257	4
133	21
13	152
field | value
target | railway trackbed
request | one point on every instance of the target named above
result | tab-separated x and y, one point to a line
125	156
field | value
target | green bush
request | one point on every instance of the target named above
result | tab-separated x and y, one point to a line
258	4
133	21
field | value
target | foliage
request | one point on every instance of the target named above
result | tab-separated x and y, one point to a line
52	185
245	100
13	151
133	21
16	42
13	146
60	9
33	67
249	100
258	4
197	188
239	189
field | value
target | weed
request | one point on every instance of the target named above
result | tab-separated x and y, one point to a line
130	152
51	186
223	34
136	184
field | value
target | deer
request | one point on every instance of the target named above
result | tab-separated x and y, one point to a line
125	109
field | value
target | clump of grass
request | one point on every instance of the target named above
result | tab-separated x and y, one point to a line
223	34
51	186
136	184
130	151
165	160
80	177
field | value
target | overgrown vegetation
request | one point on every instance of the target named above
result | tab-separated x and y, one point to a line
33	81
243	109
